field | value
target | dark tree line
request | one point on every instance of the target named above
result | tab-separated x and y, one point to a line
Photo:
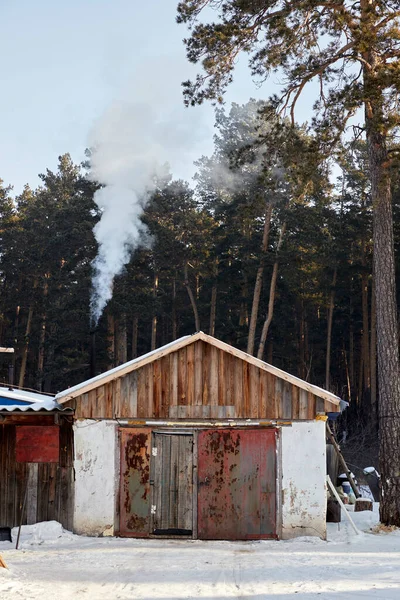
263	238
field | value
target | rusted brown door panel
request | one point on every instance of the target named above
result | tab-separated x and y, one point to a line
237	484
135	482
172	475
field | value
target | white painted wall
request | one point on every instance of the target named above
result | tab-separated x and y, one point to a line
303	472
95	477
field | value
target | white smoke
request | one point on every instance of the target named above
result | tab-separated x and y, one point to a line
146	128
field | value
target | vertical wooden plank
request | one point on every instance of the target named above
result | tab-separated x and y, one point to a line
287	400
83	407
32	494
3	474
320	405
157	389
221	378
141	386
117	396
228	376
65	502
92	403
165	386
42	492
238	388
51	510
206	374
303	404
214	361
185	483
198	373
100	401
254	390
125	392
172	483
10	476
109	401
166	483
295	402
133	394
173	380
263	398
246	388
190	352
279	397
311	409
21	470
150	389
182	373
195	485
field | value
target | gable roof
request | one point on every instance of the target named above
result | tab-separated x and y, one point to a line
136	363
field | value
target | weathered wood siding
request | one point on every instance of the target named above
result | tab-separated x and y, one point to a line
199	381
48	485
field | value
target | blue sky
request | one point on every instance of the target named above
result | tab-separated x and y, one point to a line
64	63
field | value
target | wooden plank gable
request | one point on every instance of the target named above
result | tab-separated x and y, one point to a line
200	381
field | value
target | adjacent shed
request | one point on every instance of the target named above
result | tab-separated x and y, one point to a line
36	459
202	440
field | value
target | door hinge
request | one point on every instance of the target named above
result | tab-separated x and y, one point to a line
154	451
153	509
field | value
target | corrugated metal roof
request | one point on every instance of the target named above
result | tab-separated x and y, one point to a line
35	407
14	400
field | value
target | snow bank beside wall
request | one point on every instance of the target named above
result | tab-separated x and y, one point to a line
303	479
95	477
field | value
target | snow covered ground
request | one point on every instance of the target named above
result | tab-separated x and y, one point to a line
56	565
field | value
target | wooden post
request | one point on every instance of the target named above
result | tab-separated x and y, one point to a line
334	492
342	461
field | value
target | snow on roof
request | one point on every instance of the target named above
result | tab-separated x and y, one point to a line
127	367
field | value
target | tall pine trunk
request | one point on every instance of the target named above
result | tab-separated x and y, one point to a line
42	338
213	303
121	341
154	319
111	340
386	309
272	291
329	331
259	279
173	315
135	332
191	296
373	351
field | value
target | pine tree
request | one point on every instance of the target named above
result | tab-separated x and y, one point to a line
352	49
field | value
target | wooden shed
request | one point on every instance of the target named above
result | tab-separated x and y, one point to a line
36	460
199	439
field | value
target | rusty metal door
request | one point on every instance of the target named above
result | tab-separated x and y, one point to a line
172	484
236	484
135	482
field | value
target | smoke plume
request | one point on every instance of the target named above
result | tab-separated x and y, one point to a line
133	141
